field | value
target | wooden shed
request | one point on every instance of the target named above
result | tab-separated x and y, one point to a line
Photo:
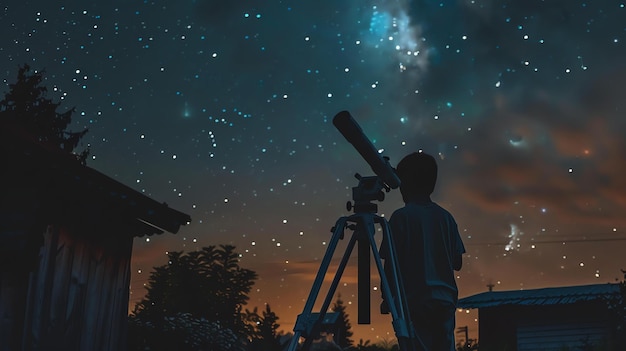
66	235
549	319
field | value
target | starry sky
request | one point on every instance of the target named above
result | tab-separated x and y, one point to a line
223	110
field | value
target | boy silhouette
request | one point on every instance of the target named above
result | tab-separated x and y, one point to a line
429	249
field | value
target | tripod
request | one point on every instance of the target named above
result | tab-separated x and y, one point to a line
362	222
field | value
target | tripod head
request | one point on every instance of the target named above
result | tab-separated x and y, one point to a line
369	189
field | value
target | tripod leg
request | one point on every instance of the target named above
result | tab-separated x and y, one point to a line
398	305
332	289
339	273
303	320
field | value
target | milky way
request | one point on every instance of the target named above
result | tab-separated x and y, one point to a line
223	110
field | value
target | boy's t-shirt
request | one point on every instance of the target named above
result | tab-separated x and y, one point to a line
426	241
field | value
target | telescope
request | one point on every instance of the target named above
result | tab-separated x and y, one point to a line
362	223
351	130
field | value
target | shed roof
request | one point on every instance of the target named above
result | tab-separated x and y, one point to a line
78	190
547	296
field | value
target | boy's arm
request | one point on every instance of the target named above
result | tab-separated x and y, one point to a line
459	250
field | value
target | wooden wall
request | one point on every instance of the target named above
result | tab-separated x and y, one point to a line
544	327
562	335
20	240
78	296
497	328
13	287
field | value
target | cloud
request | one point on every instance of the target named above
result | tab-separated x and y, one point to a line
564	153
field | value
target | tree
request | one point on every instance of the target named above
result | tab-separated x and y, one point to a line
383	345
183	332
204	290
343	333
469	345
265	335
27	107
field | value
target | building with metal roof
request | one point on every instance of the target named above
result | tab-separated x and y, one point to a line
549	319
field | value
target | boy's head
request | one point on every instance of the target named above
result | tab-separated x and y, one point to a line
418	175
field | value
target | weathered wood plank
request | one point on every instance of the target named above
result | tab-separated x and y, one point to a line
558	335
60	285
41	287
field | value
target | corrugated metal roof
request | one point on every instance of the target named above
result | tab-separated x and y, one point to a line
546	296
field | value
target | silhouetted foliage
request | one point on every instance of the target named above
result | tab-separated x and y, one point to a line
192	297
343	332
181	331
324	345
264	328
469	345
26	106
383	345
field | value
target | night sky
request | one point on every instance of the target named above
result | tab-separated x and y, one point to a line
223	110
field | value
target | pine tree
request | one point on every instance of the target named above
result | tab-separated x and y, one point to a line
268	328
27	107
265	330
343	333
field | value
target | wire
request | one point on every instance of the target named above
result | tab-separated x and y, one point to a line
561	241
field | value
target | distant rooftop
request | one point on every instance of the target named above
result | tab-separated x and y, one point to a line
546	296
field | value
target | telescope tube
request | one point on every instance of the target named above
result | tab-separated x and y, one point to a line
351	130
